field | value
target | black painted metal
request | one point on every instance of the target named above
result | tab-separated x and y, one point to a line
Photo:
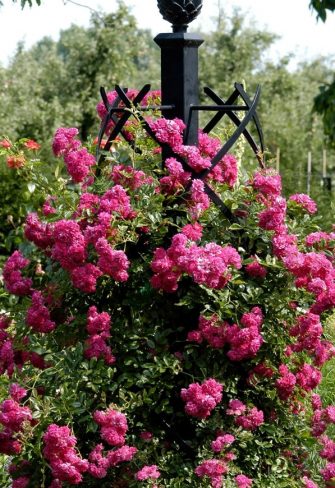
179	13
179	78
180	98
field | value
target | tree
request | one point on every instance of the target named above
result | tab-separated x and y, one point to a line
54	83
322	7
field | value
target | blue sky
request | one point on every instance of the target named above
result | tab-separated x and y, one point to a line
291	19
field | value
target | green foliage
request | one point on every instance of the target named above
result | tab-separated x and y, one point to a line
323	7
324	105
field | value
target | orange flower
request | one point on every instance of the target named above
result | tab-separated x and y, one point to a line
15	162
33	145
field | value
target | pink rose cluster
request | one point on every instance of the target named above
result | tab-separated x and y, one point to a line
128	177
65	462
214	469
113	428
312	271
38	314
67	241
305	202
13	418
98	328
7	362
12	275
307	378
208	265
245	417
77	159
113	425
60	451
221	442
199	158
201	399
255	269
148	473
321	419
244	342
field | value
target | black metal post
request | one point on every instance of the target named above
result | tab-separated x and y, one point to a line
179	65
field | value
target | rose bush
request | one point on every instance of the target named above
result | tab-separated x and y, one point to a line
147	340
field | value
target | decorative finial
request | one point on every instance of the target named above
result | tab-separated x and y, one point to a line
179	13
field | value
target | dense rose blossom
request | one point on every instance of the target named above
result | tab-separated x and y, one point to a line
47	208
284	245
255	269
85	277
201	399
214	469
319	239
251	420
260	370
192	231
13	418
226	171
177	179
21	482
318	422
78	164
199	201
113	426
308	331
129	177
273	218
98	328
69	248
148	472
245	343
16	162
112	262
14	281
211	330
39	233
208	145
207	265
316	402
117	200
305	202
286	383
7	352
329	414
193	158
59	450
17	392
169	131
328	473
308	377
243	481
267	183
236	407
98	463
221	442
328	451
38	315
64	141
121	455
